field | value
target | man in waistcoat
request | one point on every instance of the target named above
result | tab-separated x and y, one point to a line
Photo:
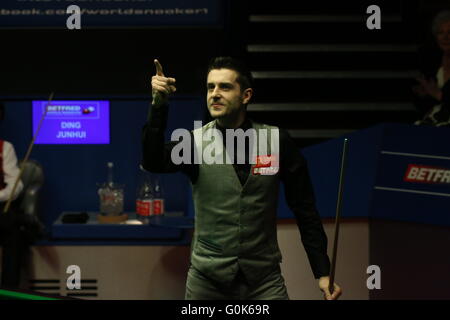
235	253
11	238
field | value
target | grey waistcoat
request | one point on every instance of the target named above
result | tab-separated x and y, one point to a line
235	225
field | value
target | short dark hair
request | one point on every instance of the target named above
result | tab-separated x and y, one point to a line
441	18
244	78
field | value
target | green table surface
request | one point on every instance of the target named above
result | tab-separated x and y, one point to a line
22	295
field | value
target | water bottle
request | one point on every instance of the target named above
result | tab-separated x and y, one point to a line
111	195
144	201
110	180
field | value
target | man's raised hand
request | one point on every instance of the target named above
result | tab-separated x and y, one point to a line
162	87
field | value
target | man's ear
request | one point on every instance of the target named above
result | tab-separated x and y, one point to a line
247	95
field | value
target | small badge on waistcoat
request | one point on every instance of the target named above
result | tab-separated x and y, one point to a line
266	165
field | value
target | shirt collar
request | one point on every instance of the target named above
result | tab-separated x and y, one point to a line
247	124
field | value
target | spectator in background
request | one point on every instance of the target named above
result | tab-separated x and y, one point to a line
9	170
11	235
431	94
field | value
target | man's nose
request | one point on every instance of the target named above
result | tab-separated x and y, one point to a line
216	93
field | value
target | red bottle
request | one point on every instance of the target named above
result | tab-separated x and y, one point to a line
144	201
158	200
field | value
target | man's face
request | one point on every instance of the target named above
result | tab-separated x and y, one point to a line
443	36
225	97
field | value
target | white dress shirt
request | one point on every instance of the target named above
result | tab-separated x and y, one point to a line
11	172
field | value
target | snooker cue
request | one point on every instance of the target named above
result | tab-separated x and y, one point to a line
27	155
338	216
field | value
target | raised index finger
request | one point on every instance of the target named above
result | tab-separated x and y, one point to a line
159	70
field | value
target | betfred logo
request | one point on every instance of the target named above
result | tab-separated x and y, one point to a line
88	110
426	174
266	165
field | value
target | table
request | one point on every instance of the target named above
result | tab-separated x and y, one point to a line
26	295
173	222
95	231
